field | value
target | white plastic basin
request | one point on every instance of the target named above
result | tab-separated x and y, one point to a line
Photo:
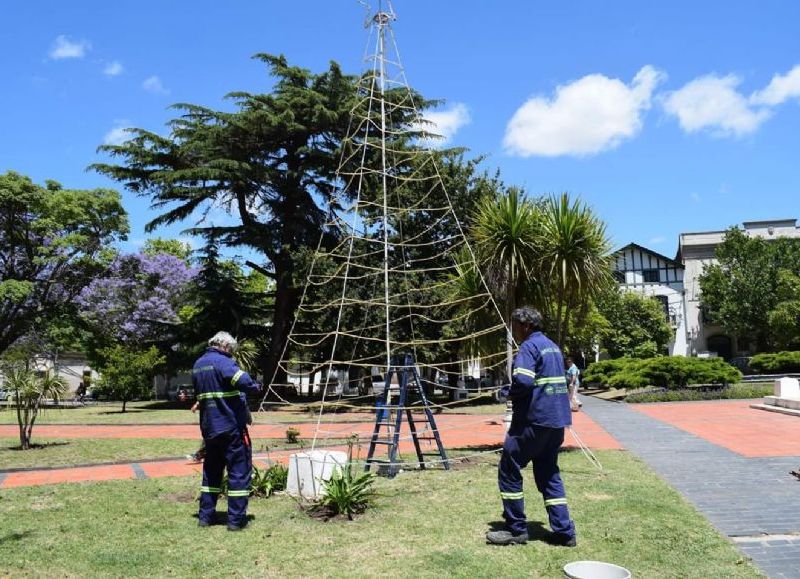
595	570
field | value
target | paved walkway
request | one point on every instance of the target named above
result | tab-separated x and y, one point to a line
732	462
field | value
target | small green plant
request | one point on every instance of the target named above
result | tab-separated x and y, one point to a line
264	481
291	434
267	481
348	492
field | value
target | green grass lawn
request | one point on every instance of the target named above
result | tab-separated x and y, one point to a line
162	413
425	524
52	452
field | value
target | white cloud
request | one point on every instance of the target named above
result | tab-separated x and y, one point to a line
780	89
447	123
63	47
656	240
695	198
113	69
118	134
593	114
712	103
153	85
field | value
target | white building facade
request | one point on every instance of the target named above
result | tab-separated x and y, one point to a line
648	273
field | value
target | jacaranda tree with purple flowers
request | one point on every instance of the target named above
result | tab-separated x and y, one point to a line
135	303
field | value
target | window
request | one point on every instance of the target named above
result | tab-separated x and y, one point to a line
619	276
650	275
664	301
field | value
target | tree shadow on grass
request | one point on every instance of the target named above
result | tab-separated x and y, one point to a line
36	446
15	537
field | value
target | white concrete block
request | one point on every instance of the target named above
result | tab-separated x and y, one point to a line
308	471
787	388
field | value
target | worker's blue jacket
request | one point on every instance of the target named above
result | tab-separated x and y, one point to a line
538	390
221	389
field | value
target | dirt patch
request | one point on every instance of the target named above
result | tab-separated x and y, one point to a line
181	497
598	497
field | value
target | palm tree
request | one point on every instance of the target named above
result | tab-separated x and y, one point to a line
505	233
29	391
574	257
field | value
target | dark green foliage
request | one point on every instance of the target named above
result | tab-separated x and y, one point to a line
776	363
752	292
636	325
601	372
669	372
735	392
53	242
271	163
127	373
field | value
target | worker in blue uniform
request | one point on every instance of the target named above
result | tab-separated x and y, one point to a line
221	389
540	412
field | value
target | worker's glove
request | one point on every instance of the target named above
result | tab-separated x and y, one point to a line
502	394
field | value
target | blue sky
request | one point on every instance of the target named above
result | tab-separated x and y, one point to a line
664	116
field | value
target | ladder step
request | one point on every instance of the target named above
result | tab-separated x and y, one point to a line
378	460
389	442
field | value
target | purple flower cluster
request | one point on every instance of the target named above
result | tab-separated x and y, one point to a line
137	299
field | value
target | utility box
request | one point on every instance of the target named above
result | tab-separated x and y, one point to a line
308	471
787	388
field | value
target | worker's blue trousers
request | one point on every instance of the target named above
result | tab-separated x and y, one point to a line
231	450
540	445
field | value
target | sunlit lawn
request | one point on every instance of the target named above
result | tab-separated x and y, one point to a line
53	452
424	524
163	413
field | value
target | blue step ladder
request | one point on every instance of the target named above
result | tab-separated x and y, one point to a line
408	384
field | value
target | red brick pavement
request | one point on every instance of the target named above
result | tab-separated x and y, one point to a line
732	424
457	431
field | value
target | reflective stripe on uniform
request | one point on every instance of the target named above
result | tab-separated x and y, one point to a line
202	369
209	395
244	493
553	502
524	372
511	496
236	377
215	490
553	380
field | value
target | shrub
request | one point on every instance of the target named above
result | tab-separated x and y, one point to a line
670	372
776	363
735	392
267	481
601	372
264	482
291	434
348	492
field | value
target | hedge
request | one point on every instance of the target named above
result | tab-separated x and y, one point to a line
788	362
671	372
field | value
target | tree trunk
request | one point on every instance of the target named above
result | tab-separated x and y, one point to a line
559	311
286	302
509	334
24	443
124	402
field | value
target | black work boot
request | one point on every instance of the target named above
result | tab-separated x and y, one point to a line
506	538
563	540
